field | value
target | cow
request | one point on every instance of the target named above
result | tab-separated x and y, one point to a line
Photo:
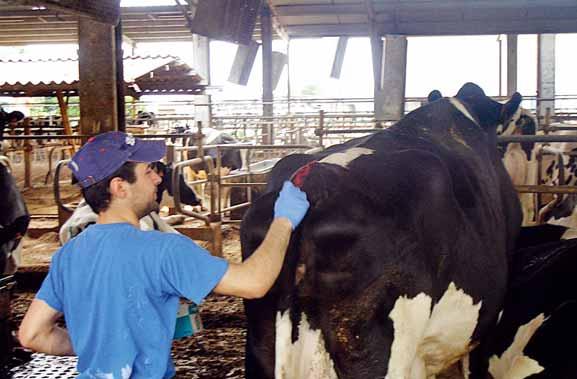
145	118
559	167
165	192
83	216
542	291
400	267
6	118
14	220
231	159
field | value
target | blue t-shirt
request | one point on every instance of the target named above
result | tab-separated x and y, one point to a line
119	290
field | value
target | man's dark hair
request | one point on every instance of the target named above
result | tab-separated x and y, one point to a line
98	195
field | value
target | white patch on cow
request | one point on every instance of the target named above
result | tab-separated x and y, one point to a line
410	317
513	364
83	217
499	317
345	157
571	232
306	357
426	343
511	127
465	367
153	221
461	108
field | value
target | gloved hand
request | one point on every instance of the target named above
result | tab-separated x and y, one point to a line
291	203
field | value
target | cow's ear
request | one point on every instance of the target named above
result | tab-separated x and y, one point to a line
511	106
434	96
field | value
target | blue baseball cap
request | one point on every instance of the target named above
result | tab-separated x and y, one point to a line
105	153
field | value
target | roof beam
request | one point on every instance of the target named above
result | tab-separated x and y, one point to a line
320	9
106	11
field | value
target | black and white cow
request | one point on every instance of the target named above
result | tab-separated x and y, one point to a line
14	220
558	167
400	267
230	159
7	117
543	298
83	216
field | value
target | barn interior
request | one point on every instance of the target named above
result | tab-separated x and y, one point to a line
101	90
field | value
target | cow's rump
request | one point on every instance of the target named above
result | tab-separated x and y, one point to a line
423	211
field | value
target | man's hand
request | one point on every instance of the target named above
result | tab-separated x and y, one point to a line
291	203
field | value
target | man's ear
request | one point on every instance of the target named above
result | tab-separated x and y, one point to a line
118	188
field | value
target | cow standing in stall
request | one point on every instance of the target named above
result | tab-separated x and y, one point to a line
542	300
559	167
14	220
400	268
231	160
542	296
5	119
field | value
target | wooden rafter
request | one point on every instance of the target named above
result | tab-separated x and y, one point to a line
106	11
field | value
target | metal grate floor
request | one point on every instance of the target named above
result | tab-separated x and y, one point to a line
46	367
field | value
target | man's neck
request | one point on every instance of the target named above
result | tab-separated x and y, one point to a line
114	215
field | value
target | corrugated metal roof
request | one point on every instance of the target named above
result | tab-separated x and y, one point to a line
66	69
142	75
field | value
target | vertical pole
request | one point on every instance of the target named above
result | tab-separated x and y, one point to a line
394	78
201	57
63	105
119	55
267	90
500	46
321	127
97	72
511	64
288	76
545	75
27	155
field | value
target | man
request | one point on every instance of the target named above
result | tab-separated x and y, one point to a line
119	287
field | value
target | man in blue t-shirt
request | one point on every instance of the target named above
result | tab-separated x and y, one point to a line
119	287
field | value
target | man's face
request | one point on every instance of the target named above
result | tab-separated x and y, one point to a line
143	191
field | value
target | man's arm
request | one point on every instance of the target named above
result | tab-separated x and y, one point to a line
39	332
255	276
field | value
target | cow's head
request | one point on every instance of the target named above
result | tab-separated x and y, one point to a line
508	118
165	171
490	113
